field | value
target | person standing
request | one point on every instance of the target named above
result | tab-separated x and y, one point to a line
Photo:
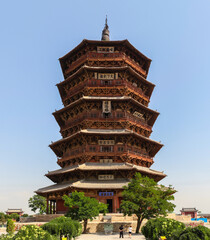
121	231
130	231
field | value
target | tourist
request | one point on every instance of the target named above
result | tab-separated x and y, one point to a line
130	231
121	231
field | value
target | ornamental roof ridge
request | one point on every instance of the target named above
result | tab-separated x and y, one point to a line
188	209
105	131
86	41
104	98
105	68
84	183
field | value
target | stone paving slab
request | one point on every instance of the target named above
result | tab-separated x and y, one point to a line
109	237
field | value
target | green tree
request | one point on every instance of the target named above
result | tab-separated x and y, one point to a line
63	226
14	216
32	232
145	198
10	226
156	227
83	208
3	218
37	203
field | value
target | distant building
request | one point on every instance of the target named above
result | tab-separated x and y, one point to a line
189	211
19	211
204	215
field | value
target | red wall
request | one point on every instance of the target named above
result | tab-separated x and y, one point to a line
60	208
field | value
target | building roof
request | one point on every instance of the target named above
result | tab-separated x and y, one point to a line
85	183
14	210
124	43
104	166
189	210
105	69
106	131
104	99
104	43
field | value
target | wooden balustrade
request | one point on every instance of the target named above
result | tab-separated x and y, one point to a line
100	83
96	150
94	56
98	116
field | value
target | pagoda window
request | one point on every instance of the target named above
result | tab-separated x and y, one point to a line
120	149
107	115
92	148
93	115
118	82
106	148
93	83
106	82
120	114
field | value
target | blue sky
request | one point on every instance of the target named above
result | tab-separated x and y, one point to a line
174	34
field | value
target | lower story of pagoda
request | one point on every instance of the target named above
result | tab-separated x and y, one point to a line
112	198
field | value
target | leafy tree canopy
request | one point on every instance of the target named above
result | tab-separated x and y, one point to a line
37	203
145	198
3	217
63	226
83	208
14	216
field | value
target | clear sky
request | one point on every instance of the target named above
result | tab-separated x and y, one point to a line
175	34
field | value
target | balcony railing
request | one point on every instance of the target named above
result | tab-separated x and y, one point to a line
105	83
97	150
108	57
114	116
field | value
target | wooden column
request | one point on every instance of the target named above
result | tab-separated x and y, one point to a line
47	206
115	204
50	207
53	206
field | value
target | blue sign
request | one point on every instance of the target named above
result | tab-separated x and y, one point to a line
199	219
106	194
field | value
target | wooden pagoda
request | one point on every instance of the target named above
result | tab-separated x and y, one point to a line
105	123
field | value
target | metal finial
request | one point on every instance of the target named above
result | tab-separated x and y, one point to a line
105	32
106	22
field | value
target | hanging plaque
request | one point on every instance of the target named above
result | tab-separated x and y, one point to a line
137	114
105	49
106	76
106	160
105	177
106	106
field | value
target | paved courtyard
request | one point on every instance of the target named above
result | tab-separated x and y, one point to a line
109	237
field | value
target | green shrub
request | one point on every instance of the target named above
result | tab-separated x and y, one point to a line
6	237
10	226
63	226
196	233
14	216
157	227
32	232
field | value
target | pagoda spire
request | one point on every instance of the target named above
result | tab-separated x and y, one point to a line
105	32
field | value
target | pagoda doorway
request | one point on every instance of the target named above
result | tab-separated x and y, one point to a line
110	205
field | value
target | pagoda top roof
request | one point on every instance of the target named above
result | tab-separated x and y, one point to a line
85	42
105	166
